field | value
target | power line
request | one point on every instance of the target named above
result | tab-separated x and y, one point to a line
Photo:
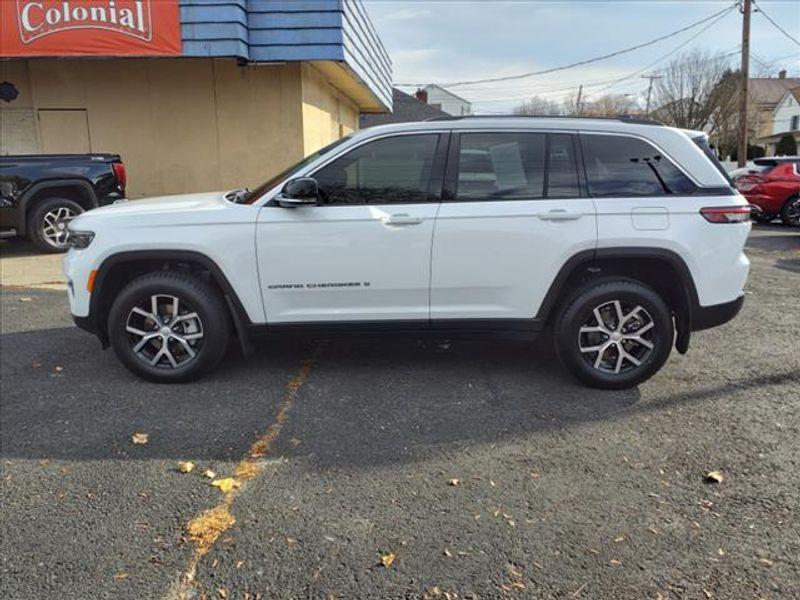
668	54
583	62
781	29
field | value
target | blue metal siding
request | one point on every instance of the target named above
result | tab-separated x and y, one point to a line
286	30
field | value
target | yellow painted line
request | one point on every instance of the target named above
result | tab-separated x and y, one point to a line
206	528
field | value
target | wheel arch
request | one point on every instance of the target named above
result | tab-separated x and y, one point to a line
663	270
78	190
119	269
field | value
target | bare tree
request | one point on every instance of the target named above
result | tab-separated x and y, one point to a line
538	106
689	92
610	105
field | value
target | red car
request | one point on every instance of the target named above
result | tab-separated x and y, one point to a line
772	184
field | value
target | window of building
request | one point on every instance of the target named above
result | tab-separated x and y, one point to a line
795	123
395	170
501	166
625	166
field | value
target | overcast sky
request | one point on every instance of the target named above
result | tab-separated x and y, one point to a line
455	41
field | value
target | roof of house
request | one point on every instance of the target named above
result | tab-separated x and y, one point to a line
770	90
405	109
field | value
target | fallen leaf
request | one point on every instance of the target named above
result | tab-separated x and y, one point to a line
714	477
239	564
447	553
291	541
619	539
26	299
766	562
58	369
209	473
454	482
185	466
388	559
121	575
223	593
615	562
226	485
138	437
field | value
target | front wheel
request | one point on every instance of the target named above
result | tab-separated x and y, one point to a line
169	327
790	213
614	334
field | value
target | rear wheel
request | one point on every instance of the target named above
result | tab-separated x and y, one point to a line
48	223
790	213
614	334
169	327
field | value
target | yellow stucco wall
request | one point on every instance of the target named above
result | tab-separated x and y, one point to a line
186	125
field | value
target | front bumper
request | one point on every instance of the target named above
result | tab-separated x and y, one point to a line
705	317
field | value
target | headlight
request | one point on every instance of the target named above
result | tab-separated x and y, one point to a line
80	239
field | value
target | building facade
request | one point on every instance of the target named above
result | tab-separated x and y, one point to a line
243	89
785	121
440	98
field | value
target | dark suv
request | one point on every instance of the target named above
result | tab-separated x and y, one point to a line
41	194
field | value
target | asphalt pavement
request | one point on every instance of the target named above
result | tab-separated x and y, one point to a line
404	468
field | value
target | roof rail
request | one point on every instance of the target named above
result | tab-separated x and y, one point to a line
633	119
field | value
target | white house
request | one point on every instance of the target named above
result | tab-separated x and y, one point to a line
785	120
447	101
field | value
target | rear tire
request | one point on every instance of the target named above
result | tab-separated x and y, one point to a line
762	217
48	223
614	334
169	327
790	213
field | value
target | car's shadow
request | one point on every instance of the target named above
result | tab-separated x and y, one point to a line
19	247
366	402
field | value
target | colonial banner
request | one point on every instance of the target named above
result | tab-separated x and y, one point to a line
90	28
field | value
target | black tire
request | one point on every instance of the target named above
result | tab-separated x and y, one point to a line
762	217
195	296
45	230
579	313
790	213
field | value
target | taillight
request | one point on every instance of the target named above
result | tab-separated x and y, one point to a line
119	173
726	214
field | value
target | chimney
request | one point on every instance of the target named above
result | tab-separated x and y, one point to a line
782	74
422	95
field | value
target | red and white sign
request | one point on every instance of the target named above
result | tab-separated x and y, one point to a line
90	28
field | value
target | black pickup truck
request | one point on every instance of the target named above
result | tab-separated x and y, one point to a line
40	194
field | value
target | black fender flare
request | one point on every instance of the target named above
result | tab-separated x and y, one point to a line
26	197
584	260
239	315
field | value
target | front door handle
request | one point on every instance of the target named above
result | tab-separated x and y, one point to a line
559	214
401	219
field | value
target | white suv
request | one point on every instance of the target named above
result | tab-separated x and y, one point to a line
621	235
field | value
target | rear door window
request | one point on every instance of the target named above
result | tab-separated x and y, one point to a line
619	165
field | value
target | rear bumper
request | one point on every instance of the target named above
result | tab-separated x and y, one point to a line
705	317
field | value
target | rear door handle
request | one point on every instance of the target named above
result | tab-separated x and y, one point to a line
559	214
402	219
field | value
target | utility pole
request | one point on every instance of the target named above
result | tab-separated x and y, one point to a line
578	101
741	155
649	92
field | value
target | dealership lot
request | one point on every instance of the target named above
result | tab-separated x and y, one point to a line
475	469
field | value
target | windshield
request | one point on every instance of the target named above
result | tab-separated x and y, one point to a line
272	182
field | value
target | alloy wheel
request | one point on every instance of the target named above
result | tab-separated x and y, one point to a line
617	338
164	332
54	226
793	212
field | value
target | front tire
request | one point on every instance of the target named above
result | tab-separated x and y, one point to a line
48	223
169	327
790	213
614	334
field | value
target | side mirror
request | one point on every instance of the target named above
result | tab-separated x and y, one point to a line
302	191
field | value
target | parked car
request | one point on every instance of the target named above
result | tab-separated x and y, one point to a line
621	235
41	194
772	184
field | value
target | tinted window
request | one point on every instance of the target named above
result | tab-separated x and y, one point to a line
386	171
562	178
626	166
501	166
